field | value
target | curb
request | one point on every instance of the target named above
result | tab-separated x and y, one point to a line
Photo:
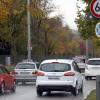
88	94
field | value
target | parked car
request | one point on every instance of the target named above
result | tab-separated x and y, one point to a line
7	81
25	72
59	75
92	68
81	62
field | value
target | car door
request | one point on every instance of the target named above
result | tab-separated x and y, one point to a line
78	73
8	79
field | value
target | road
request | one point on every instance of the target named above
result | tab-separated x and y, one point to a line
27	92
89	85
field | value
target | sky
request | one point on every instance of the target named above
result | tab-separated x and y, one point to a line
68	9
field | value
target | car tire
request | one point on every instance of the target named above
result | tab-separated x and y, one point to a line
90	78
2	91
48	92
14	87
86	77
23	83
16	82
39	92
75	90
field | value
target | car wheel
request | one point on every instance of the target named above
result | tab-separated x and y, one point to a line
39	92
14	87
16	82
2	91
23	83
48	92
75	90
86	77
90	78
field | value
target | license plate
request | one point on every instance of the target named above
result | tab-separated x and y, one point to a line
24	72
53	78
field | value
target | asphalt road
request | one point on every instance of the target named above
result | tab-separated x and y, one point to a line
27	92
89	85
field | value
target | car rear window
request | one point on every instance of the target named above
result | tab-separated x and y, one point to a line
93	62
55	67
25	66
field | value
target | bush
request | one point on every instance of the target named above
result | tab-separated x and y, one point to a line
10	67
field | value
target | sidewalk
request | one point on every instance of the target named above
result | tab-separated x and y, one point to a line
88	87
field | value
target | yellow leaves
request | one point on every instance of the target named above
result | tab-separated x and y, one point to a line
17	12
4	9
36	10
6	2
3	14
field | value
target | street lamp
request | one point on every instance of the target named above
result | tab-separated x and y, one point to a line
28	31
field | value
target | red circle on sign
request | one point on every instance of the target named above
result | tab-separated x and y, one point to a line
92	10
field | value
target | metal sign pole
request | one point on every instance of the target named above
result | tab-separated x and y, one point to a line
98	87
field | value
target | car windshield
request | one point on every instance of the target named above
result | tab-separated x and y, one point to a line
55	67
93	62
25	66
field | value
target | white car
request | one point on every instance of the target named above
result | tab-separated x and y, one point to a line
81	63
92	68
25	72
59	75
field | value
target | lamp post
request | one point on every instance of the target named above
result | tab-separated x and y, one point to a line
28	31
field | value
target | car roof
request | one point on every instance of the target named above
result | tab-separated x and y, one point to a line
94	59
27	63
67	61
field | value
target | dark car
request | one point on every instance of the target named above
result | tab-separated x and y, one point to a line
7	81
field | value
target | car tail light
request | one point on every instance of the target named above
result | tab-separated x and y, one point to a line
69	74
39	73
34	72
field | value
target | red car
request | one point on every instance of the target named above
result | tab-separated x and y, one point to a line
7	81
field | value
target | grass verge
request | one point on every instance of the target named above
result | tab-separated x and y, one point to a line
92	95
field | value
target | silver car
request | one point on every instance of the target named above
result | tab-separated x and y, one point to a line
25	72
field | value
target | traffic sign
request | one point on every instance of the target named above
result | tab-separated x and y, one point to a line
97	29
95	8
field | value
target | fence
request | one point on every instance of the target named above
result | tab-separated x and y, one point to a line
35	58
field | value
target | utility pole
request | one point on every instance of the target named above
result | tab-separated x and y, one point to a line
28	31
87	53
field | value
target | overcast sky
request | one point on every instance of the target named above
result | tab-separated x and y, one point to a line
68	9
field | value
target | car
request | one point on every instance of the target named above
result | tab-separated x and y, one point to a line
25	72
81	62
59	75
92	68
7	81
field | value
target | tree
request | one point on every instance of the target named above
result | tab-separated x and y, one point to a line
86	27
48	35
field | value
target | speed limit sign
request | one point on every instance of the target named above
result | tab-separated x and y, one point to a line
95	8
